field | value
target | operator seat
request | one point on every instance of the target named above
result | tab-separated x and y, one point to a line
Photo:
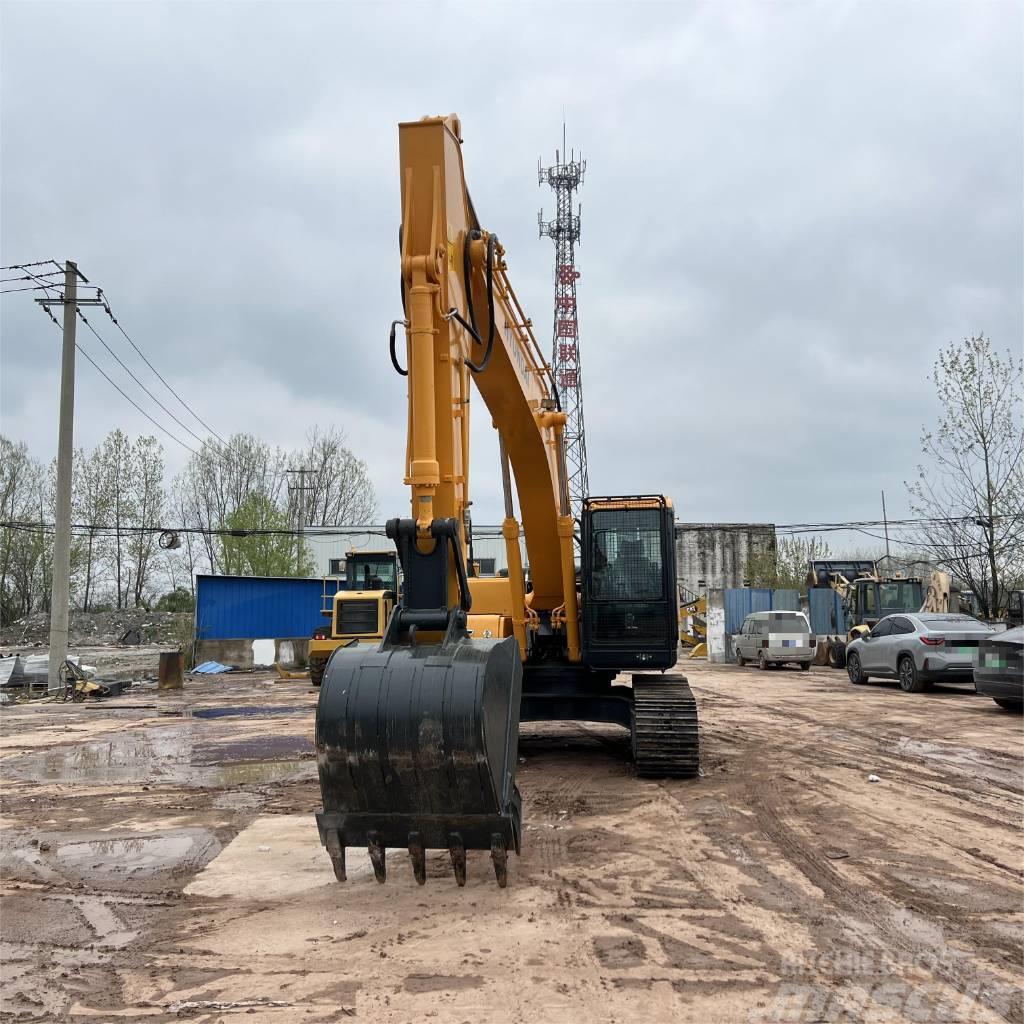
632	575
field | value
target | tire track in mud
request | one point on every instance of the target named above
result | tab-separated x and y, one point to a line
891	922
861	750
882	909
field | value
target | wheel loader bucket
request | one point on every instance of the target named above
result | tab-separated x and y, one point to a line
417	748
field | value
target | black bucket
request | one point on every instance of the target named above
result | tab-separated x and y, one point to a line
417	747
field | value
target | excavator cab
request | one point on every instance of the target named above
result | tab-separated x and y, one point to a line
629	583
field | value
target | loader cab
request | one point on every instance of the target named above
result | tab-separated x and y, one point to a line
873	599
628	583
371	570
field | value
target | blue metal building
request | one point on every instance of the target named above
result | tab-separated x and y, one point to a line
258	607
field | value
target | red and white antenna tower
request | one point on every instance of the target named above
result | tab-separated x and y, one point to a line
564	177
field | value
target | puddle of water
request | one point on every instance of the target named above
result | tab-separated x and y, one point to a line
164	755
244	711
124	855
255	748
146	755
258	771
142	854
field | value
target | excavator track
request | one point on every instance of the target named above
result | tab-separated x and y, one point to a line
666	741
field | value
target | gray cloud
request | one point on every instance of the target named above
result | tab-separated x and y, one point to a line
788	209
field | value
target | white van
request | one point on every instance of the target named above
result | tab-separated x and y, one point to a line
775	638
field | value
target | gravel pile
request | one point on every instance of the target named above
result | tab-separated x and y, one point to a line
101	629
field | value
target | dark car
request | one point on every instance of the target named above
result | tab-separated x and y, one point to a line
999	673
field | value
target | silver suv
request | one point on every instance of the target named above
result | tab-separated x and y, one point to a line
918	649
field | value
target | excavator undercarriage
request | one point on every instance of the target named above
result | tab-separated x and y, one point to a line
417	737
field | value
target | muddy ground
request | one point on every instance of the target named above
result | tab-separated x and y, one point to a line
160	863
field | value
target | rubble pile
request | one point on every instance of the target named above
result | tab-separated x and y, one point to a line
127	626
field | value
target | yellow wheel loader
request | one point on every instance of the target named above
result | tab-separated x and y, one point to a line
416	736
357	613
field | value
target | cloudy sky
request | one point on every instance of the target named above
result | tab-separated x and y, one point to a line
789	207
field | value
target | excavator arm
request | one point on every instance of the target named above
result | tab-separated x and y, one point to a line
465	327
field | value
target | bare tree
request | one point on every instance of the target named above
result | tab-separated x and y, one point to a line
971	492
338	487
117	468
148	500
21	546
192	553
219	479
90	508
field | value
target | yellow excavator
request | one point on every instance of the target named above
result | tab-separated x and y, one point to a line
417	736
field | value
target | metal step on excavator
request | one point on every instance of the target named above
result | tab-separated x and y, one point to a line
417	736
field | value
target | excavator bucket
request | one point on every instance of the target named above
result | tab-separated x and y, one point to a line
417	747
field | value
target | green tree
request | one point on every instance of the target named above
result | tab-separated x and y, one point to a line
970	493
784	567
264	541
177	600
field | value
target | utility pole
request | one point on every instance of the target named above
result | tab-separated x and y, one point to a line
60	592
301	518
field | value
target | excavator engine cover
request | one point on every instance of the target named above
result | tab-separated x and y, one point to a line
417	747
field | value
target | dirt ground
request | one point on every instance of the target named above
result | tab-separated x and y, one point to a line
160	861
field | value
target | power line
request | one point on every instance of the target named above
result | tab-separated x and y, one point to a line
29	288
159	426
114	385
38	263
160	376
42	285
119	362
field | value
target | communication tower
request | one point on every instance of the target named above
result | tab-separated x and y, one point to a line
564	177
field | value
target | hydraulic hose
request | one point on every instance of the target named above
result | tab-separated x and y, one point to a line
394	354
472	325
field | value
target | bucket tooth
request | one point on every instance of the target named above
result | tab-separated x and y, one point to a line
376	848
458	852
335	843
499	854
419	857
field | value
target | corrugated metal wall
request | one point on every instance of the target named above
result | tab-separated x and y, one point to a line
786	600
741	601
257	607
826	610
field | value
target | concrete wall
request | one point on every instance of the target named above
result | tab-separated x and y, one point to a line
719	643
249	653
717	553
